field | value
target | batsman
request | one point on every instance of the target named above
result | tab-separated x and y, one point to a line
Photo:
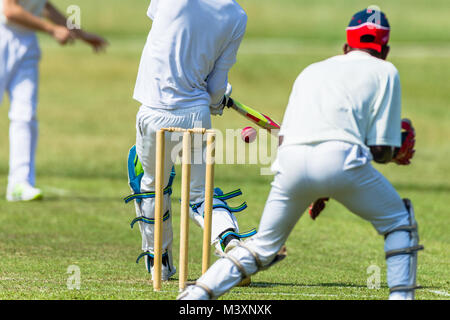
343	113
182	80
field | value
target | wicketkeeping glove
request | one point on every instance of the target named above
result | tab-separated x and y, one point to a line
404	154
316	207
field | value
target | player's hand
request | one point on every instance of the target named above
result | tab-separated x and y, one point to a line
227	96
62	34
404	154
218	110
316	207
97	43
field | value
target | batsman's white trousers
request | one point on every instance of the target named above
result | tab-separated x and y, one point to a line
19	73
305	173
148	122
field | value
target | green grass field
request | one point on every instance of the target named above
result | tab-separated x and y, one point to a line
87	124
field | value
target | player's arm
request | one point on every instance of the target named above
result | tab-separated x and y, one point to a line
385	137
390	138
382	154
218	79
217	83
400	155
54	15
14	12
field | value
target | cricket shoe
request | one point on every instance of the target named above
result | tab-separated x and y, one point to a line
401	295
233	243
167	270
23	192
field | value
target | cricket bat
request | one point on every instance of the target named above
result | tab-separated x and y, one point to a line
256	117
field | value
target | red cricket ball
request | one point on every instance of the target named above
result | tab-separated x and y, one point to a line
248	134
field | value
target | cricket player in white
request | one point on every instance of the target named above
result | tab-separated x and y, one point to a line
343	112
182	80
19	72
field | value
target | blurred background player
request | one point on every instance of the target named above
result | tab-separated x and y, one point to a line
182	80
343	112
19	77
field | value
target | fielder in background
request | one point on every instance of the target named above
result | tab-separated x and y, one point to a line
343	113
182	80
19	72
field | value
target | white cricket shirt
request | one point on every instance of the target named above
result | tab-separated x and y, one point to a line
190	49
33	6
354	98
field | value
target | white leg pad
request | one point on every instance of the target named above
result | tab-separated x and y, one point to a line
401	246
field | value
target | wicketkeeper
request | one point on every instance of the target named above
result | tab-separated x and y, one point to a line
343	113
182	80
19	77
